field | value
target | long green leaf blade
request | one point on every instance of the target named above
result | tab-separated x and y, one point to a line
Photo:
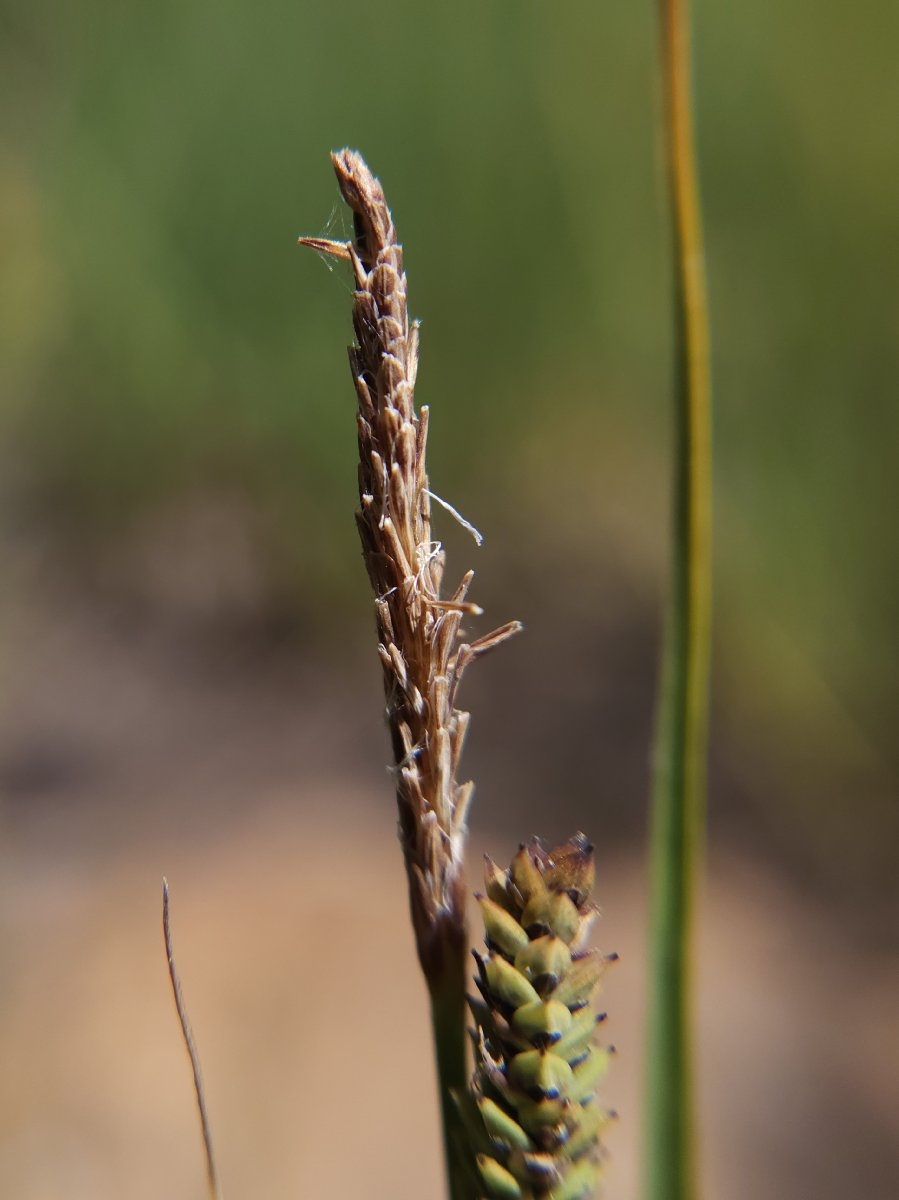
678	809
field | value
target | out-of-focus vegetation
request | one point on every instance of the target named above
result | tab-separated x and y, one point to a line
164	341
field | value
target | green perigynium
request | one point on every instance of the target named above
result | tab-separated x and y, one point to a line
532	1110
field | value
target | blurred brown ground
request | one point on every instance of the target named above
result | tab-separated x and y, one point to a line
252	780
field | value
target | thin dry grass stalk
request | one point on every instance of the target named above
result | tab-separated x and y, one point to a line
420	646
214	1190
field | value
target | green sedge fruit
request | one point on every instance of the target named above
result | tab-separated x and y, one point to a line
532	1110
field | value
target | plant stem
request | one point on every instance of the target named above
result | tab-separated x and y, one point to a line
678	807
450	1037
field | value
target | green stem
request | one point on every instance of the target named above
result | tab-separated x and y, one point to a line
678	808
450	1038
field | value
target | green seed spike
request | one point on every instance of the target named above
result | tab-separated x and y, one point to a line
537	1068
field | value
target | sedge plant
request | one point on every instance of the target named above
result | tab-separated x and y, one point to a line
528	1124
525	1122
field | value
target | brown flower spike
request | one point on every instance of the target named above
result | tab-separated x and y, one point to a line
421	651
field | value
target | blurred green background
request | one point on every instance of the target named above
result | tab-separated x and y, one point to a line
176	431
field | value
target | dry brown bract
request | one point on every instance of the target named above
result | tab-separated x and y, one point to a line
418	629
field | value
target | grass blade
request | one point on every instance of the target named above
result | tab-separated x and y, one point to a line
678	807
